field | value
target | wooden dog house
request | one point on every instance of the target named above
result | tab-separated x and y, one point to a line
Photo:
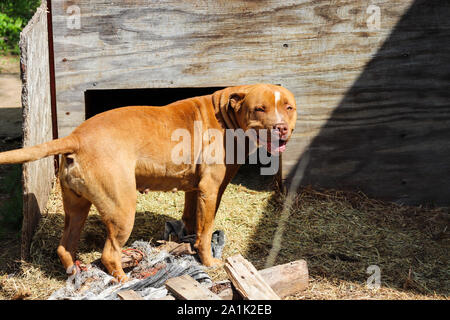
370	79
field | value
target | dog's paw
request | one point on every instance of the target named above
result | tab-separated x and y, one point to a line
213	262
119	277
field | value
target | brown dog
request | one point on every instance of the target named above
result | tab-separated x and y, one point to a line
116	152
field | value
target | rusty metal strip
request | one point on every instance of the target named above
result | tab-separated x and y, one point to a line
51	63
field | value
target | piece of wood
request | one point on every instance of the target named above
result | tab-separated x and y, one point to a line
186	288
129	295
287	279
247	281
37	122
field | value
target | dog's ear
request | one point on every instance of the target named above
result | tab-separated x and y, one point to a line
235	100
228	101
230	97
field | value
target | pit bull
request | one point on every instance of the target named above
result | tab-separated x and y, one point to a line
113	154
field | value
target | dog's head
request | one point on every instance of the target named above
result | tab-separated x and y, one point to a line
268	109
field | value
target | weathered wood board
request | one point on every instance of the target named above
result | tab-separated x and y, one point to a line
247	281
373	104
288	278
186	288
37	122
129	295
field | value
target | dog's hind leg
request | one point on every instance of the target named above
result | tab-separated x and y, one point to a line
118	228
116	203
76	210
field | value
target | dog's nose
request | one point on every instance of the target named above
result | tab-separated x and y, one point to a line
282	129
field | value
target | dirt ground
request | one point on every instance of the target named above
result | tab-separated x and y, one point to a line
10	103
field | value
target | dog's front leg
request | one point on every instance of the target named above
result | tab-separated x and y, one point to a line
190	211
207	198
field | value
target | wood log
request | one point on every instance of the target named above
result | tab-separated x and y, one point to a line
247	281
186	288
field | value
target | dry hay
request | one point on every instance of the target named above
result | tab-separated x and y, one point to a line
339	234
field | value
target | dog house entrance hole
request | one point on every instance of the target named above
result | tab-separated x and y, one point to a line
97	101
101	100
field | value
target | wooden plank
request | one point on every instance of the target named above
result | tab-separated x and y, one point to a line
287	279
247	281
186	288
37	121
129	295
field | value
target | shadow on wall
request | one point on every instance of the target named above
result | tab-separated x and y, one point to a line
390	138
390	135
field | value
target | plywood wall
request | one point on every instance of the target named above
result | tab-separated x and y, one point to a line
37	121
373	103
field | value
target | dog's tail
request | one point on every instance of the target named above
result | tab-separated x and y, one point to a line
64	145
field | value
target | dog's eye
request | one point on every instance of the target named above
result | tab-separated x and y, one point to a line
260	109
289	107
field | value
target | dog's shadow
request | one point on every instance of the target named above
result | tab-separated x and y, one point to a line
148	226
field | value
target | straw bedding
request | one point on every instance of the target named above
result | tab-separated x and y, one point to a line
339	233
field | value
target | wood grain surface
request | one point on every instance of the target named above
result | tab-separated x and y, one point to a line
373	104
37	122
186	288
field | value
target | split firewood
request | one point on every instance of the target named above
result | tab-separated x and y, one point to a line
247	281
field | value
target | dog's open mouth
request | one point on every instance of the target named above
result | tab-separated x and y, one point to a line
274	146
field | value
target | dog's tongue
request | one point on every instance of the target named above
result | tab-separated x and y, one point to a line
275	148
281	148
